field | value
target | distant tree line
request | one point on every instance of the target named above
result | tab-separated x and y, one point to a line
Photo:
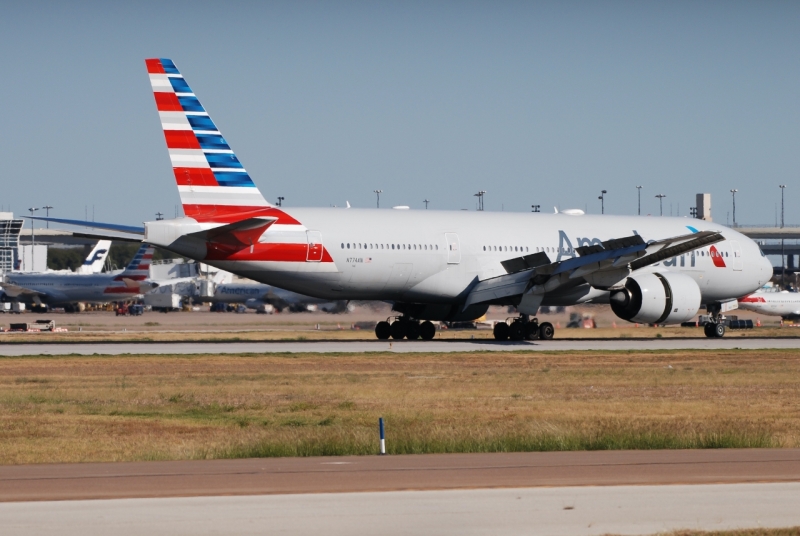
120	255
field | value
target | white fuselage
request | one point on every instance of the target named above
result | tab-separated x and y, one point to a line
56	289
435	257
784	304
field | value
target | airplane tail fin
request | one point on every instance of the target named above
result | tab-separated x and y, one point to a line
139	267
96	259
213	184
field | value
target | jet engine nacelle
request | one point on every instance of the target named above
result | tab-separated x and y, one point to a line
654	298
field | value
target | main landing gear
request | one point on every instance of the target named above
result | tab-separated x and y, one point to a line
523	328
405	328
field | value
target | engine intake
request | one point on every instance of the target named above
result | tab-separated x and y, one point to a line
653	298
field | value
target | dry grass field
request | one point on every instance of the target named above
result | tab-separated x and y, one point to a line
99	408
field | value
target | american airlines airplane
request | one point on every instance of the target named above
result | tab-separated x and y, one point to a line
784	304
438	265
57	290
257	295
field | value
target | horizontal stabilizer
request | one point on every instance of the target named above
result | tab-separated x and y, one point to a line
238	234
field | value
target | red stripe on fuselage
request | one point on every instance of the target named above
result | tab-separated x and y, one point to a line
230	214
194	177
264	252
122	290
167	102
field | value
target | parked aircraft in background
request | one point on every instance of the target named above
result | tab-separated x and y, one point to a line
96	259
66	290
784	304
438	265
258	295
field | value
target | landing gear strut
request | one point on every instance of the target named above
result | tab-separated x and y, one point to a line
523	328
405	328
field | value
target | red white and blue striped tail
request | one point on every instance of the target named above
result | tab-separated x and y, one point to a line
139	267
213	184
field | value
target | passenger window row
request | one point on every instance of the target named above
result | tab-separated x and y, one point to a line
418	247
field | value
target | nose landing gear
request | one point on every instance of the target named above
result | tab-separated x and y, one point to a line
523	328
715	327
405	328
714	330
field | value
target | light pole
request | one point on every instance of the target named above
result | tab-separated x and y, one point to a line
536	208
47	208
33	240
661	203
280	201
480	195
639	191
602	199
159	216
426	204
733	196
783	256
378	193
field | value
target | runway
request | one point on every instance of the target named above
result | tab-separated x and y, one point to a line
620	492
404	346
552	511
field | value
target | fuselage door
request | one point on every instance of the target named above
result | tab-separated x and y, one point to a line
453	248
314	246
736	251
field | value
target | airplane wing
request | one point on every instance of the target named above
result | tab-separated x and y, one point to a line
15	291
602	265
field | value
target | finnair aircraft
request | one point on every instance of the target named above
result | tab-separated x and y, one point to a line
439	265
57	290
784	304
96	259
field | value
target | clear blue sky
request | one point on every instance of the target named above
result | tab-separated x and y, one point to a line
535	102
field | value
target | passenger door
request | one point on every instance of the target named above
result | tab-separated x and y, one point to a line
453	248
736	251
314	246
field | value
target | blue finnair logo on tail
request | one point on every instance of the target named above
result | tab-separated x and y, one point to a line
95	257
692	229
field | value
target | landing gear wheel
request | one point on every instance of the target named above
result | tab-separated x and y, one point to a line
708	329
516	331
427	330
383	330
719	330
412	331
546	331
532	331
398	329
501	331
